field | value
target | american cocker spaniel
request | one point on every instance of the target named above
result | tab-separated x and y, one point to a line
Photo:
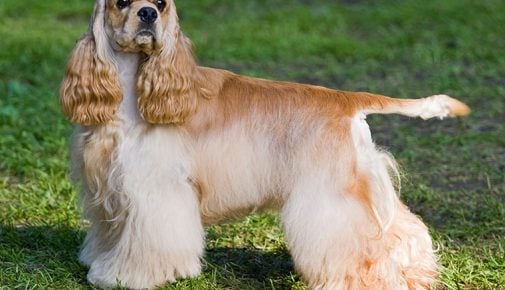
164	147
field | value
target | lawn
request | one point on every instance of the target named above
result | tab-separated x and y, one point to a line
453	169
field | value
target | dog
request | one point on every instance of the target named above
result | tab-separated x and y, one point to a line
163	147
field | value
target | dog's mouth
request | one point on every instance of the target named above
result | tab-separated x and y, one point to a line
145	32
145	36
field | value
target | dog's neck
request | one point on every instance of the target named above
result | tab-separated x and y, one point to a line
127	65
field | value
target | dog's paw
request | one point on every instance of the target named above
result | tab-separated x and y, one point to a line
110	273
190	268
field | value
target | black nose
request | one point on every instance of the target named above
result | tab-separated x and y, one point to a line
148	15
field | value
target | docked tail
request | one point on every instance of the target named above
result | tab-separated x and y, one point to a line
440	106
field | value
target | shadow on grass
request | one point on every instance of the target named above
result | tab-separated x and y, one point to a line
35	252
256	268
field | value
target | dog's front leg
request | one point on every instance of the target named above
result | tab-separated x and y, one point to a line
161	237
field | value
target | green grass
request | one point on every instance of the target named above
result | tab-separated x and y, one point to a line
454	169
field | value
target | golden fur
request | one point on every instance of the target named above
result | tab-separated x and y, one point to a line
90	92
164	146
167	86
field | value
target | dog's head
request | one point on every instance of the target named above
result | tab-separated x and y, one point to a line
140	25
166	87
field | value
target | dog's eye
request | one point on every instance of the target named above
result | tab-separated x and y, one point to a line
123	3
161	4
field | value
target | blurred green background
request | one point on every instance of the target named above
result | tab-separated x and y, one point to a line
454	169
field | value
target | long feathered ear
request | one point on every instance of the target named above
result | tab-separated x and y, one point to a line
166	85
90	92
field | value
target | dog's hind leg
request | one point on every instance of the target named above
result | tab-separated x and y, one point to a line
161	237
336	242
345	226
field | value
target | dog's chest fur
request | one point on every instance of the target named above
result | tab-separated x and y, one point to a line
128	152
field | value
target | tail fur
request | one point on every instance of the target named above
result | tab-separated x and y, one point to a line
439	106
